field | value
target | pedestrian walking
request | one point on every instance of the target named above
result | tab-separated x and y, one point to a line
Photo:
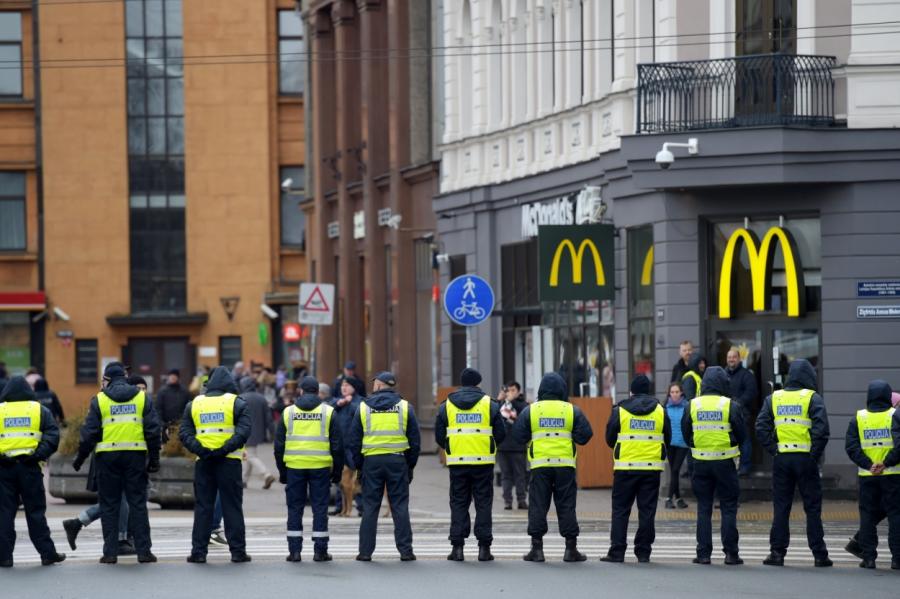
385	443
47	398
122	429
743	390
551	428
511	453
261	430
215	427
28	436
793	427
871	442
468	428
713	426
677	450
310	455
638	432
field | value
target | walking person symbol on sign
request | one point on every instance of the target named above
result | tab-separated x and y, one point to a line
468	300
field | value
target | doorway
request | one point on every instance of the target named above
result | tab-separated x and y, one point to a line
152	358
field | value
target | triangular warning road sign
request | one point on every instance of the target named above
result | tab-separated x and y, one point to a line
316	302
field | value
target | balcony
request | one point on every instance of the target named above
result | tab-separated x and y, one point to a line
745	91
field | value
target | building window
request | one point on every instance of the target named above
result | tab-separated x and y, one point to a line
155	88
15	342
86	361
11	54
290	52
12	212
230	350
641	327
293	219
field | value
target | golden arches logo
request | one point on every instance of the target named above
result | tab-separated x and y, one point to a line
647	270
577	256
761	257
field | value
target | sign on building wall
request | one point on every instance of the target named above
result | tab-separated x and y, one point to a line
573	209
576	262
878	288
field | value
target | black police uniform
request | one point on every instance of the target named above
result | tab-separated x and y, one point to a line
214	473
22	477
470	482
713	479
121	472
798	471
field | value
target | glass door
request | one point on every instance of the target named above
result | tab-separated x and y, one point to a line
789	345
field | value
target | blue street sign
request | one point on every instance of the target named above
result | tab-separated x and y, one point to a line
468	300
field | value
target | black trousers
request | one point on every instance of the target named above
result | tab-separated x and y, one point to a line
513	473
559	484
879	495
222	476
630	486
468	483
713	479
676	456
121	472
25	482
796	471
380	473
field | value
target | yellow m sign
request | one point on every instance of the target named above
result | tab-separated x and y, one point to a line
577	256
761	257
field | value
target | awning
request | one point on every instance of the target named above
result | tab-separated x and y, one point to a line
23	301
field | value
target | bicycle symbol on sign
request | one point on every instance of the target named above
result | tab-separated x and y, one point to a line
471	309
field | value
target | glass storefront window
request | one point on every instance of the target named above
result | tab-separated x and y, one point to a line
582	335
15	342
641	326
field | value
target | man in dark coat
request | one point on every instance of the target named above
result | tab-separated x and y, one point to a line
796	468
743	390
685	349
171	399
470	480
511	453
261	430
47	398
21	476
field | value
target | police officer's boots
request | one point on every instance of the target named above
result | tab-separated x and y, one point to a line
321	555
456	554
484	553
572	554
537	551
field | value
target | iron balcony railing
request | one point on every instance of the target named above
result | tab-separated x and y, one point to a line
745	91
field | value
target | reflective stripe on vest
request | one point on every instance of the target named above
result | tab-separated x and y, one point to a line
20	427
214	421
690	374
469	435
792	423
710	422
384	432
551	443
122	423
640	443
306	443
875	438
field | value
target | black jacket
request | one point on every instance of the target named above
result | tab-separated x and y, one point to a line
742	386
311	401
678	371
715	382
170	402
92	430
688	385
553	387
639	405
878	400
800	376
510	444
378	402
465	398
220	382
48	399
262	426
18	389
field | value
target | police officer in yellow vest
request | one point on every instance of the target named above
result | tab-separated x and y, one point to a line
793	427
551	429
309	455
468	427
638	433
28	436
691	380
383	439
713	427
122	426
873	444
215	427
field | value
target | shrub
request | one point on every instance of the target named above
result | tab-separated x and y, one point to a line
173	447
70	435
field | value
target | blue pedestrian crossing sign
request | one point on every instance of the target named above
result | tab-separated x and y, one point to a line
468	300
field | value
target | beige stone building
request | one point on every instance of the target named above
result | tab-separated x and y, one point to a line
143	147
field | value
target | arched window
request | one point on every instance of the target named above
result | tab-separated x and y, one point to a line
495	53
464	75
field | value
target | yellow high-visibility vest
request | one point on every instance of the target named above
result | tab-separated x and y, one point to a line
384	432
214	421
122	423
551	444
307	444
469	434
20	428
641	442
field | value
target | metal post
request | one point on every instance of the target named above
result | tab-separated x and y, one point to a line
315	351
468	347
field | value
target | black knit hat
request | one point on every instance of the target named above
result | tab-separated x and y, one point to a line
469	377
640	385
309	384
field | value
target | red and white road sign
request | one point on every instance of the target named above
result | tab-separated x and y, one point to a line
316	303
291	332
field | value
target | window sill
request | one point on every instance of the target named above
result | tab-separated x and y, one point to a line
290	99
292	251
10	103
17	256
